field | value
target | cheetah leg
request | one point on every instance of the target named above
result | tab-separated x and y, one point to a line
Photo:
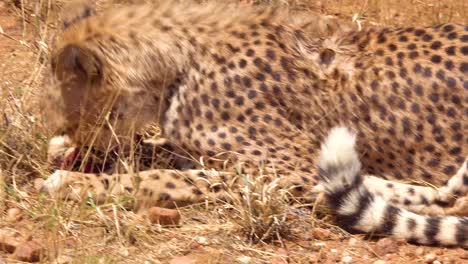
457	186
418	199
149	188
425	199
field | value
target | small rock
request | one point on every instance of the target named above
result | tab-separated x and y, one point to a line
13	215
183	260
320	233
29	251
386	246
352	242
430	258
347	259
317	246
436	262
196	246
379	262
419	251
124	252
202	241
163	216
333	250
199	243
244	259
9	240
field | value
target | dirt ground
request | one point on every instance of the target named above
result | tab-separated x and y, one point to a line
219	233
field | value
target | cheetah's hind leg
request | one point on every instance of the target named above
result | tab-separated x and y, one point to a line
446	200
457	186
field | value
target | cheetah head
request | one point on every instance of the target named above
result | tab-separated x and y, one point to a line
101	91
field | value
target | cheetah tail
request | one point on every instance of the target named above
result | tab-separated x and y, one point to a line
357	209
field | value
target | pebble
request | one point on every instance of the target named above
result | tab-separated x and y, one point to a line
352	242
347	259
318	246
419	251
202	241
29	251
163	216
199	243
379	262
321	233
9	240
429	258
13	215
386	246
244	259
195	246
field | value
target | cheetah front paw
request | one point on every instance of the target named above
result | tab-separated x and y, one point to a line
61	184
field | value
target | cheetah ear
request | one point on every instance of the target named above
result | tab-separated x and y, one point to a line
74	61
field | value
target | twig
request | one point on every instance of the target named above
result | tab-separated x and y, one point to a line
14	39
3	192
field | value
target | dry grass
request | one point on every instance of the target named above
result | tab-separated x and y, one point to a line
108	233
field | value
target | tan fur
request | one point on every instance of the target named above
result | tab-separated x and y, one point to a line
252	86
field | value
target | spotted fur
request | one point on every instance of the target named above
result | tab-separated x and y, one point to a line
253	87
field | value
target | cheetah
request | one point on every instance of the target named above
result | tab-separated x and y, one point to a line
252	89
